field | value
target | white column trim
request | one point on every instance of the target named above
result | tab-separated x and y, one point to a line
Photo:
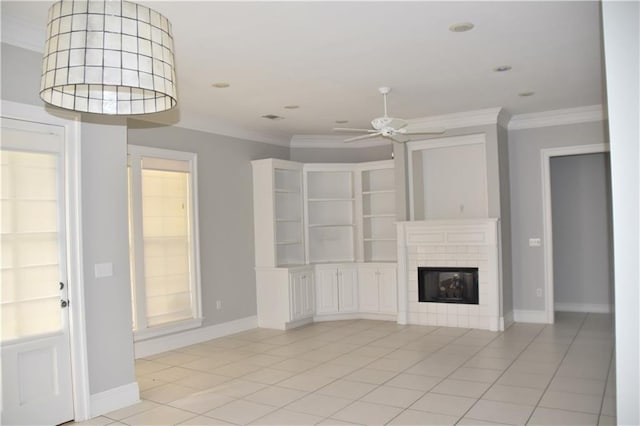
402	276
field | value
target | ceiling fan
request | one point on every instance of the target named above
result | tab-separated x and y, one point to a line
389	127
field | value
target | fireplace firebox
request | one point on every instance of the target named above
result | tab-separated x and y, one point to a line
448	285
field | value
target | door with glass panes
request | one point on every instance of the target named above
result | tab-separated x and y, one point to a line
35	351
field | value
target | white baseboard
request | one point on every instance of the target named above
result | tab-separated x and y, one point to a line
161	344
294	324
506	320
538	317
599	308
356	316
113	399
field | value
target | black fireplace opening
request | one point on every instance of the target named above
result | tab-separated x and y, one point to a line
448	285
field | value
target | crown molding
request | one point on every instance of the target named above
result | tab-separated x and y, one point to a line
195	121
489	116
333	141
480	117
558	117
17	32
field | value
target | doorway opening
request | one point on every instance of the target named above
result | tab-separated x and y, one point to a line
548	227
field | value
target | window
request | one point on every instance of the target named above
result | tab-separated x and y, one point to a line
163	241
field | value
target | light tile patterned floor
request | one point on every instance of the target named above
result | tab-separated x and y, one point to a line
374	373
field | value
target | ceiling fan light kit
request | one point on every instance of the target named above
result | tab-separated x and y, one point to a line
396	129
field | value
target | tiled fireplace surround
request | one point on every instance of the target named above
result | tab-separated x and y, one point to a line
450	243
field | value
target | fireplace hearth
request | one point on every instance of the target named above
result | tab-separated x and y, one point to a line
448	285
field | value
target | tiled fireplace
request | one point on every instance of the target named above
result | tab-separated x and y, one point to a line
450	244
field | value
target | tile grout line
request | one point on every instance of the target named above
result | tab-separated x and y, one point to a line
505	370
584	319
450	374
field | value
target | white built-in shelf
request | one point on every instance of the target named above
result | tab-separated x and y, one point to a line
330	202
288	216
384	191
325	200
286	243
376	216
331	225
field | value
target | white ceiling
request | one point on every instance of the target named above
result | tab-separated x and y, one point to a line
330	58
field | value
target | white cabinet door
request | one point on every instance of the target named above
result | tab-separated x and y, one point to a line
347	289
326	291
368	289
301	294
388	287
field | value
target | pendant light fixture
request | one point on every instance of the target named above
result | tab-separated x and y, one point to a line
108	57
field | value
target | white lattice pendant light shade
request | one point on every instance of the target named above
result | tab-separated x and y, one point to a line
108	57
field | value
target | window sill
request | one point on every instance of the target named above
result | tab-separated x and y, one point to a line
163	330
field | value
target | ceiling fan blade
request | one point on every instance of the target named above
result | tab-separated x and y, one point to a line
351	130
358	138
415	130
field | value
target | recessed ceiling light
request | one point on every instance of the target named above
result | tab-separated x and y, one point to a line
220	85
272	117
502	68
342	121
527	93
292	106
461	27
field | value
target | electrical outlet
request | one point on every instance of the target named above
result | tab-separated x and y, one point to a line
218	304
538	292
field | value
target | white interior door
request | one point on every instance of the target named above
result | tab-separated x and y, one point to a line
35	351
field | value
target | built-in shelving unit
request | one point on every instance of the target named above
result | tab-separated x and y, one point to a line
324	241
378	214
288	217
330	214
278	213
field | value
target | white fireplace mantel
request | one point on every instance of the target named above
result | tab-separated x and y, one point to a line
450	243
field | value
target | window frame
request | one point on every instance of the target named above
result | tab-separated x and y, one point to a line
141	330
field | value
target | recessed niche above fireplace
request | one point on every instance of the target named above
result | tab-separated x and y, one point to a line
448	285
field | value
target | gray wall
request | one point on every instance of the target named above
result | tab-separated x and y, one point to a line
105	240
341	155
526	201
581	217
20	74
225	201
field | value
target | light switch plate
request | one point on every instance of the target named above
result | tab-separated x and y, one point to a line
535	242
103	270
